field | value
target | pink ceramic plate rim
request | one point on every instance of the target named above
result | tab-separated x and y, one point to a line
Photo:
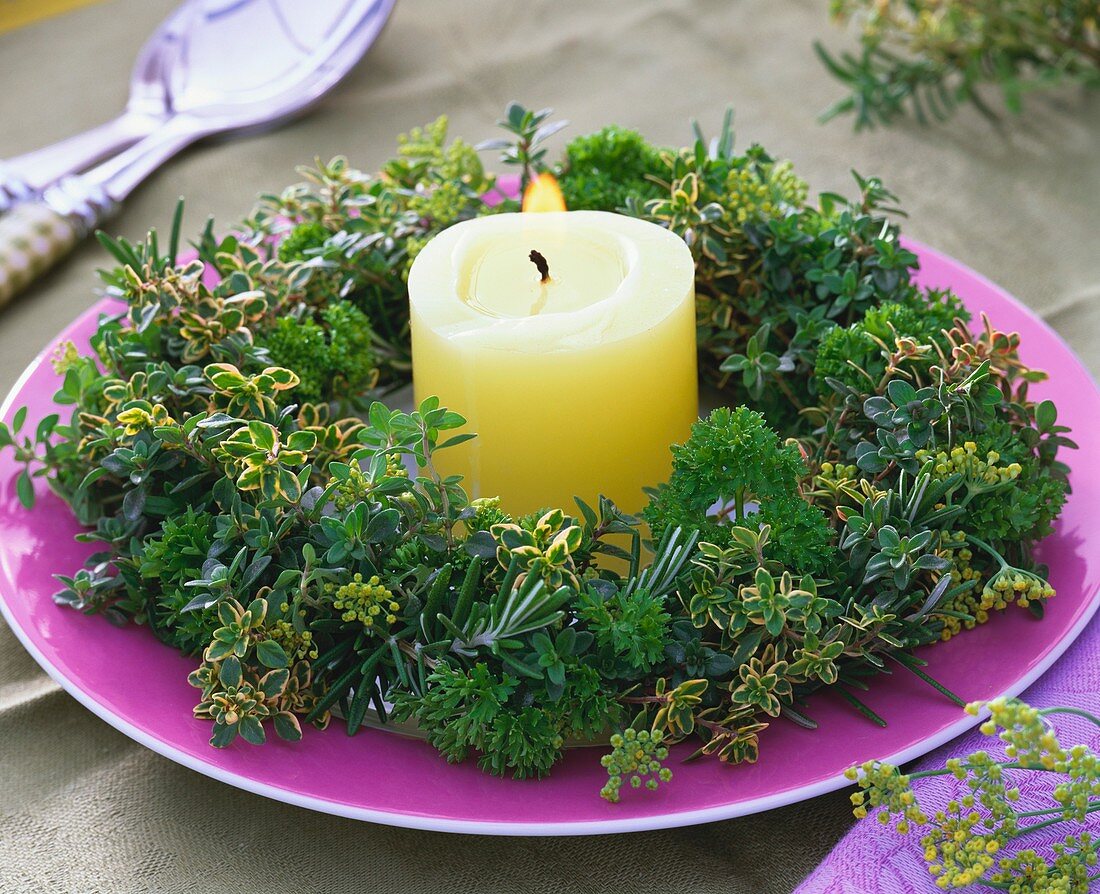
387	779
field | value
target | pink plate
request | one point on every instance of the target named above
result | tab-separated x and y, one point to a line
386	778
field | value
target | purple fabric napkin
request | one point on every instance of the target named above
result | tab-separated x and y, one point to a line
873	858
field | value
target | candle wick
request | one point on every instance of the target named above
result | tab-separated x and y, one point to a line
540	264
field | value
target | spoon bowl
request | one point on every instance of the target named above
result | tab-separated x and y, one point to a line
246	64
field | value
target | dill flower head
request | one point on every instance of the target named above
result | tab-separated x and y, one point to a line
974	838
639	756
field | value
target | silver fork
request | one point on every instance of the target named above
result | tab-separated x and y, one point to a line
25	176
238	65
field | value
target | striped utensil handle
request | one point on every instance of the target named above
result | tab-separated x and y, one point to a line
33	237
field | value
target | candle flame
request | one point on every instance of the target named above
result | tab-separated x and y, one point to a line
543	194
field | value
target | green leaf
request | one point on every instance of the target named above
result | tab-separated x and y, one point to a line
303	441
224	734
456	440
360	701
1046	414
203	600
450	419
24	487
263	435
572	537
257	611
274	682
287	727
174	233
253	572
270	654
280	375
480	543
335	692
901	392
382	526
379	417
218	649
252	730
45	427
229	674
288	485
133	504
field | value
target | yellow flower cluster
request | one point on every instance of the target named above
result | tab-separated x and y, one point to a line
953	548
839	486
413	246
1014	585
296	645
968	842
364	601
957	855
995	593
881	785
1026	872
357	486
838	472
1077	796
966	461
752	195
65	358
1028	740
439	203
487	512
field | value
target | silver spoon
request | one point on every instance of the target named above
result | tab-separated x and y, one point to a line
239	65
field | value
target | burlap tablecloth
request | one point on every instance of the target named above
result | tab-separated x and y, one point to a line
83	808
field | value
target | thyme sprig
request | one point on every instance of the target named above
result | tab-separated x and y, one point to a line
926	58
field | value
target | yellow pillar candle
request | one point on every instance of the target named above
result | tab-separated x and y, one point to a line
567	340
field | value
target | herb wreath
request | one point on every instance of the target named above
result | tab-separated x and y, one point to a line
248	496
